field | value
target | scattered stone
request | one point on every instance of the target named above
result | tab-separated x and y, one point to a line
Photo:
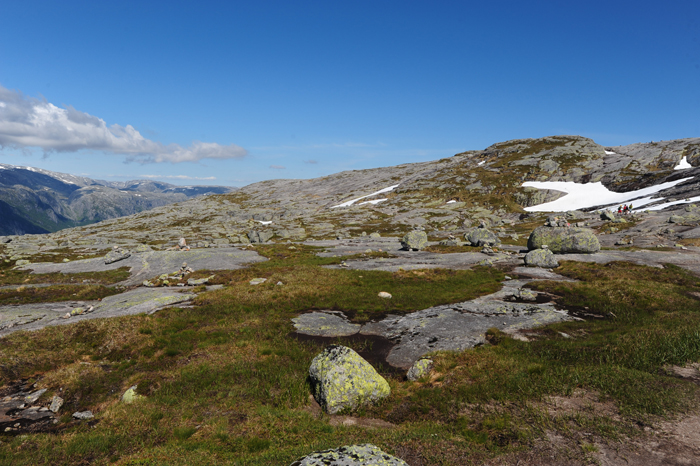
22	262
414	240
342	379
384	294
56	403
257	281
116	254
279	284
354	455
83	415
255	236
199	281
32	397
65	259
420	369
541	258
526	295
130	395
562	240
375	235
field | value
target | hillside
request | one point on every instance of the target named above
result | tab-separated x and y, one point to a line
34	201
494	309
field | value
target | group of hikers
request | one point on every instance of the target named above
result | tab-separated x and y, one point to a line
626	209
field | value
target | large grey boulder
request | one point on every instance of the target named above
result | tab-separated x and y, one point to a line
482	236
541	258
342	379
563	240
414	240
353	455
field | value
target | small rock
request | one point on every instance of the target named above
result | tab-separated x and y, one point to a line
22	262
130	395
280	283
83	415
419	369
56	403
258	281
65	259
384	294
200	281
541	258
32	397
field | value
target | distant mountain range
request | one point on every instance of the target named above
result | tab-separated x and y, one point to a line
33	200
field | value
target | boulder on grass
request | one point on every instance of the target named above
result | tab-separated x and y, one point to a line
541	258
354	455
341	379
563	240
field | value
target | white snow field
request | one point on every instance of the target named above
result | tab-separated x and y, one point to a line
582	196
683	164
351	202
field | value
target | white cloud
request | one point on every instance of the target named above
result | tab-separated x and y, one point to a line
30	122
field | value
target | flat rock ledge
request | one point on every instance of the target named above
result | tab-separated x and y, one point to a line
452	327
136	301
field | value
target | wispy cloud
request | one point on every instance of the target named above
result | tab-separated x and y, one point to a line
278	167
29	122
311	161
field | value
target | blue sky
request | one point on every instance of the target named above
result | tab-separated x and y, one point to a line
305	89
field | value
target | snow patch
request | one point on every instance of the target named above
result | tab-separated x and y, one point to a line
669	204
481	163
351	202
264	222
375	201
609	152
683	164
451	202
582	196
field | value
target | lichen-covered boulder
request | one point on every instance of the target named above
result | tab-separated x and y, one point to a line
419	369
259	236
414	240
342	379
563	240
482	236
541	258
354	455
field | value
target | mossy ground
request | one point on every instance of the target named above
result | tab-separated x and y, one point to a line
225	384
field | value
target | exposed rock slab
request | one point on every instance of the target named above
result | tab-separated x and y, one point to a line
137	301
354	455
153	263
452	327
